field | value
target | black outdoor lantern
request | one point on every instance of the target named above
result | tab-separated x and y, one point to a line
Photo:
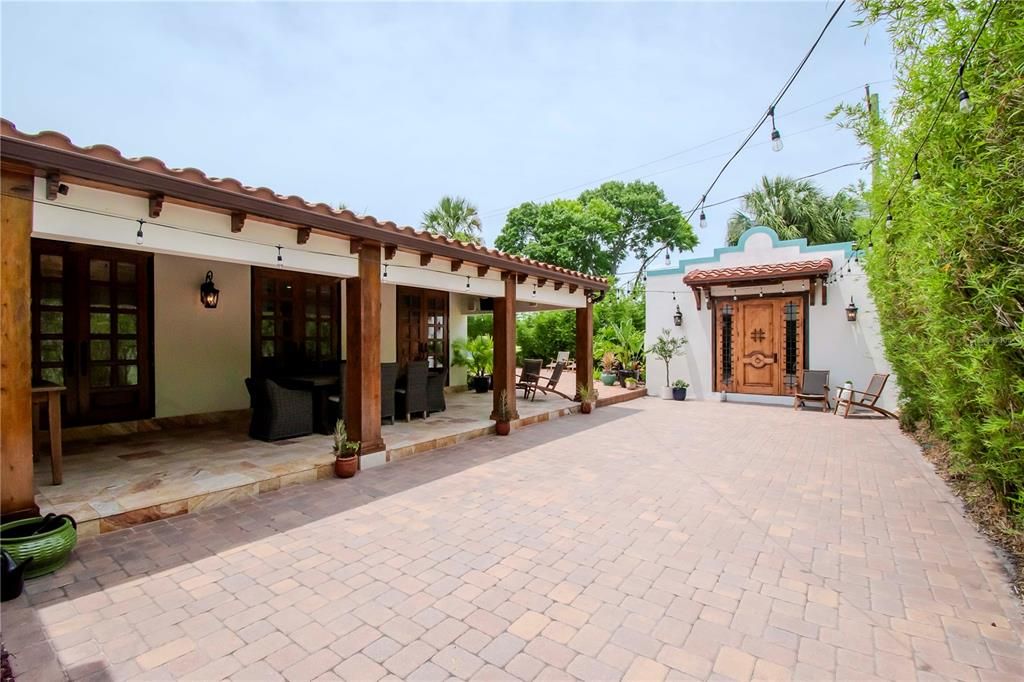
678	317
851	311
209	294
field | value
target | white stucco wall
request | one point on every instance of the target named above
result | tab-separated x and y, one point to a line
201	355
848	350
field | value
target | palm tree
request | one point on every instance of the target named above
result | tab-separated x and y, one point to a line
455	218
795	209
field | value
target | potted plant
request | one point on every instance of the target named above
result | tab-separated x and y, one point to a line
667	347
846	392
477	356
502	424
679	389
608	375
346	452
630	382
588	396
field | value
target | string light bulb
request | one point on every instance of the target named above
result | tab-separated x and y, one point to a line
668	257
703	218
467	281
915	179
385	275
888	217
776	135
139	238
280	259
534	294
965	100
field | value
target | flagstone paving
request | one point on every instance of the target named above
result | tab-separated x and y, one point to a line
648	540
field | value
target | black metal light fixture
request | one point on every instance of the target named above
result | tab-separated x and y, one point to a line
209	295
678	317
851	311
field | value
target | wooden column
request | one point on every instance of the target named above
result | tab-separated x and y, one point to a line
17	496
362	342
584	346
505	346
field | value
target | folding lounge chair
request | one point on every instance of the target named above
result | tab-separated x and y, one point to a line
866	399
814	389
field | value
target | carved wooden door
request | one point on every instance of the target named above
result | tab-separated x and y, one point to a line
758	341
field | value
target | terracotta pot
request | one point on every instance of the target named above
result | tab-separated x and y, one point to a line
586	407
502	428
346	467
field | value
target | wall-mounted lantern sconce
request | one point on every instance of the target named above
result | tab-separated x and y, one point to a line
209	295
851	312
678	317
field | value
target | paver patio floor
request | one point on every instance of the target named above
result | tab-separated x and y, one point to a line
648	540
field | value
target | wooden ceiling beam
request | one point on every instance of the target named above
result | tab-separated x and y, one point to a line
156	204
541	281
355	245
302	235
389	251
573	288
456	264
52	185
558	285
237	221
481	270
521	277
425	259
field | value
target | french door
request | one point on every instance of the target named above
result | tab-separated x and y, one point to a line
422	327
759	345
91	329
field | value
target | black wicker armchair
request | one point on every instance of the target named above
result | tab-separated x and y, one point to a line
388	379
278	412
412	396
435	390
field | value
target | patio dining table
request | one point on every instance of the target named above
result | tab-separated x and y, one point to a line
320	385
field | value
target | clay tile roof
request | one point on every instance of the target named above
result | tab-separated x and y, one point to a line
748	273
112	155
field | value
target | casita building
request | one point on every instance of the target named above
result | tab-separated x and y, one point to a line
757	314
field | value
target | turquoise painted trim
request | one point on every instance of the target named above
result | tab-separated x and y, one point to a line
681	265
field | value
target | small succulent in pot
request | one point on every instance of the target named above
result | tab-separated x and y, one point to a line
503	415
679	389
588	396
346	452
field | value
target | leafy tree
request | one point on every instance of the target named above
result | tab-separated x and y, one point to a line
797	208
597	231
455	218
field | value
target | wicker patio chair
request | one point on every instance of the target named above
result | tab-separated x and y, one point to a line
561	357
278	412
530	375
435	390
866	399
388	379
813	389
412	396
549	386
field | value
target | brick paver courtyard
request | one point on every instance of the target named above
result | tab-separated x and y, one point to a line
648	540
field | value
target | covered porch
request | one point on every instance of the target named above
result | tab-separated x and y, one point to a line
105	259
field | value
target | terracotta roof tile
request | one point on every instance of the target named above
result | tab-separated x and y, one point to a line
148	163
746	273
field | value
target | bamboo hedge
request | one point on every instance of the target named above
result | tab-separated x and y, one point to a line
948	276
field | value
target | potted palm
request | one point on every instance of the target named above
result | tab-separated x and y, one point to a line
502	424
667	347
346	452
588	396
679	389
477	356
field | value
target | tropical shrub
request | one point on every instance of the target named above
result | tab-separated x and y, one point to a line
948	276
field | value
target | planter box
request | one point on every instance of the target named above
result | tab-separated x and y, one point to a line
678	394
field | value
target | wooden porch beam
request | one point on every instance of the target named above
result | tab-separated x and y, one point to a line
302	235
584	346
17	494
456	265
505	349
237	221
811	286
824	292
389	251
362	366
52	185
156	204
425	259
696	296
482	270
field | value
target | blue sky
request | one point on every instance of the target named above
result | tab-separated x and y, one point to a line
386	107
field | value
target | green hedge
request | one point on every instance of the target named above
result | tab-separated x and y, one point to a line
948	277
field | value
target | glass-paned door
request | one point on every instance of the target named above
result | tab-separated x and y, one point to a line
422	327
91	329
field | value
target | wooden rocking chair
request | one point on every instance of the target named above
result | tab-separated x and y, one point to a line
850	398
814	389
